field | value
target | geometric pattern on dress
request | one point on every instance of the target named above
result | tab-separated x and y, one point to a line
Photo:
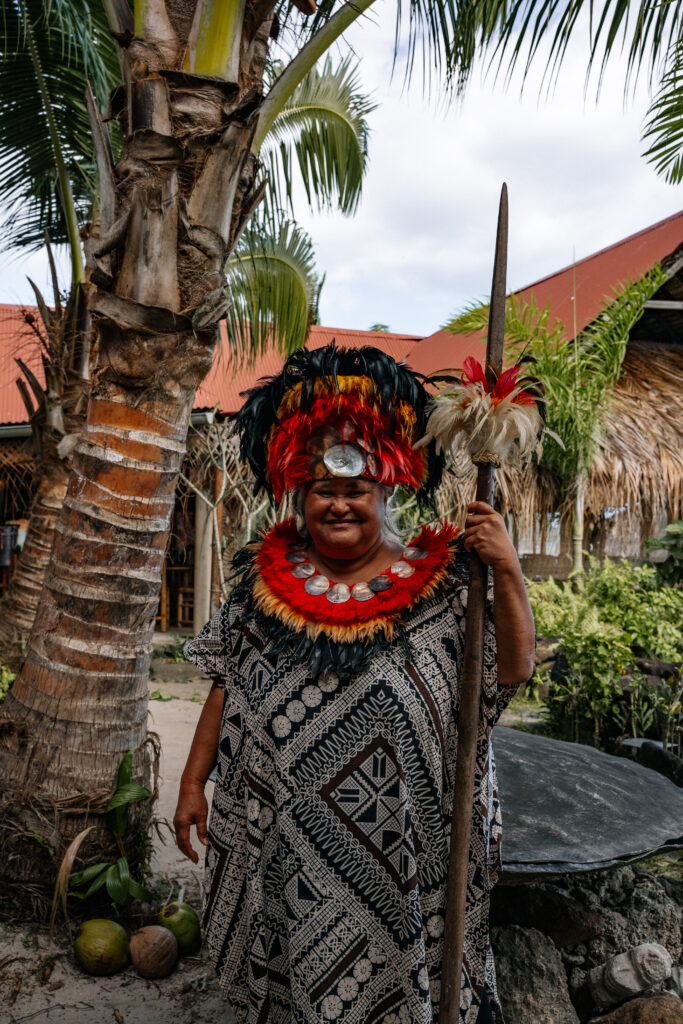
369	796
325	881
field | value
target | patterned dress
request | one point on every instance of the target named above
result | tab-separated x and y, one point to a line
325	886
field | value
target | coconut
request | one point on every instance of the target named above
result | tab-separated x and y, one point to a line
154	951
182	920
101	947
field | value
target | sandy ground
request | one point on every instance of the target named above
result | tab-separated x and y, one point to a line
41	982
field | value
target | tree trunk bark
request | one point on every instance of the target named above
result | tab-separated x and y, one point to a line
577	524
18	606
184	188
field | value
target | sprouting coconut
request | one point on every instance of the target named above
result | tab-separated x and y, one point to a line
101	947
154	951
182	920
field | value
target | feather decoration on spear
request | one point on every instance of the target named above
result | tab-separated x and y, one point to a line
492	424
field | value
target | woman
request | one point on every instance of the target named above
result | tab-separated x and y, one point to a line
333	715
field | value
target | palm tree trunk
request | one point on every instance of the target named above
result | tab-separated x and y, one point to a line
577	523
183	190
19	604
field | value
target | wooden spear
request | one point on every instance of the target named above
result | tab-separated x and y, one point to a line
473	665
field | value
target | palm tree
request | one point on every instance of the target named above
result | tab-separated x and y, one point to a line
578	375
171	210
324	121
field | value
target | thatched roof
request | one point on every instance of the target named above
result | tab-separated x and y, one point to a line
639	465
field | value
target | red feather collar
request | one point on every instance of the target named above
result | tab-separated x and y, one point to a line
278	592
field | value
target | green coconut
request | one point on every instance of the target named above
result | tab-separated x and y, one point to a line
182	920
101	947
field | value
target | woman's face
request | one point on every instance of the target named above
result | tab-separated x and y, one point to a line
344	515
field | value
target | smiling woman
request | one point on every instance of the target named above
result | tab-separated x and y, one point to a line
333	718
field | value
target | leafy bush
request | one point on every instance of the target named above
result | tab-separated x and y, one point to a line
7	677
666	553
612	616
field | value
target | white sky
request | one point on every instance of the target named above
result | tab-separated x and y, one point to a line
421	244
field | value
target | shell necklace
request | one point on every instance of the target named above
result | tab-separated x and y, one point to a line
318	584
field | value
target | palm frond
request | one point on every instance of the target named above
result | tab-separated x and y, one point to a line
517	29
578	375
72	42
273	287
664	122
435	41
323	128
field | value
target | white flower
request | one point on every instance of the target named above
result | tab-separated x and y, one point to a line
265	817
404	1014
295	710
435	925
331	1007
377	955
311	696
391	1018
329	682
281	725
348	988
423	977
253	809
362	970
435	986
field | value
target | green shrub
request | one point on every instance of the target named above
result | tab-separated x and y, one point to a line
7	677
605	620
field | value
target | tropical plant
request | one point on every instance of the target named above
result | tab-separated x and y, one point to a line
578	375
170	213
115	875
621	615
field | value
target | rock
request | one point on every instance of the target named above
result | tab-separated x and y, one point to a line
173	671
532	984
663	1008
676	981
662	761
646	913
546	648
663	669
629	973
554	913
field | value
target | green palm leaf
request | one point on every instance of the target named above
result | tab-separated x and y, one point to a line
517	28
72	43
273	287
323	126
664	124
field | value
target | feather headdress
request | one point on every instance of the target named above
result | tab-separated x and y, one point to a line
491	425
340	412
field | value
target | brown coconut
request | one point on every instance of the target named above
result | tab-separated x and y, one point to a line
154	951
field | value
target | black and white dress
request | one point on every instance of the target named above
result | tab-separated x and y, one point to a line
329	831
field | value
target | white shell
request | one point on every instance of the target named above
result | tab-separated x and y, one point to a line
402	570
413	554
361	592
317	584
338	594
296	556
344	460
303	571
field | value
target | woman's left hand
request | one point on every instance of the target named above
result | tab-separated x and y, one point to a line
486	533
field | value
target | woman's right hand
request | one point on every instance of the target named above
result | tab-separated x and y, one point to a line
192	809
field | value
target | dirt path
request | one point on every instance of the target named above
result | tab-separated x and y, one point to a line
41	983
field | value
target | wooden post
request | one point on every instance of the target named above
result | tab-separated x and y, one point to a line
470	687
216	596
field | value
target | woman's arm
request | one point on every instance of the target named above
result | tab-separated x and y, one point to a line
486	534
192	807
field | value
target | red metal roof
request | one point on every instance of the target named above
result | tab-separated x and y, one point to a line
17	339
226	380
597	277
